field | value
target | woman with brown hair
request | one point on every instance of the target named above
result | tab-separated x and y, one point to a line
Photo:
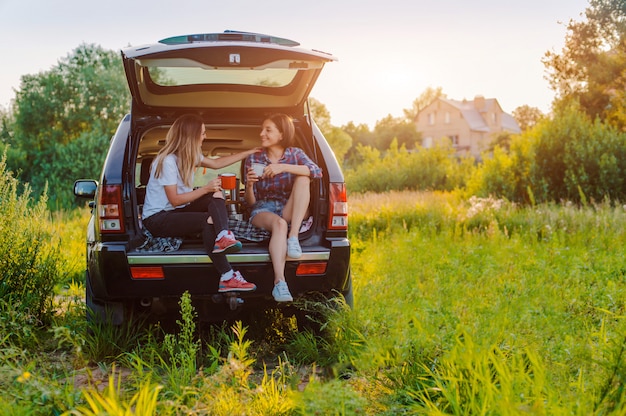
279	197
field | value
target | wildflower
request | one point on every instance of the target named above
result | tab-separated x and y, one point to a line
24	377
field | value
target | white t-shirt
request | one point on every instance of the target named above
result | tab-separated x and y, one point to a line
156	199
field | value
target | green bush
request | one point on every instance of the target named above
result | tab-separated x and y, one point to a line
400	169
504	175
566	158
29	259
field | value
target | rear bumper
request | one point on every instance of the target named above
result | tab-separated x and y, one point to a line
234	259
191	270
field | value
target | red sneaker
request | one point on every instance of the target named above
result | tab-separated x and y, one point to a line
236	284
227	244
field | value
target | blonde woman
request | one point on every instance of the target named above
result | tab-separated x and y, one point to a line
172	207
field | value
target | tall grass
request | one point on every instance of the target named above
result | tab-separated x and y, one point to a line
481	295
462	306
29	256
70	228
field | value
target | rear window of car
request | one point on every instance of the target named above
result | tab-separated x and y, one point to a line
175	77
183	72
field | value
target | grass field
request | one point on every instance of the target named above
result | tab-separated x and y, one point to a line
464	307
484	308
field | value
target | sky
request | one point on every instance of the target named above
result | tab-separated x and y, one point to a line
389	51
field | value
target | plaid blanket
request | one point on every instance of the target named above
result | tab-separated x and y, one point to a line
159	244
243	230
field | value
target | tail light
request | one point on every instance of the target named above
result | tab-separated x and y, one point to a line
305	269
147	272
338	215
110	212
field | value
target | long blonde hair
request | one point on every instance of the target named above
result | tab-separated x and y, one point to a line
183	141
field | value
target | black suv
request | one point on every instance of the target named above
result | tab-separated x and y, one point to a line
233	80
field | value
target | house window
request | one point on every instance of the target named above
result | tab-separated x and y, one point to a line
455	140
447	117
494	118
431	119
427	142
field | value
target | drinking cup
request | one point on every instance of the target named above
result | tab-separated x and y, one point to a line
229	180
258	169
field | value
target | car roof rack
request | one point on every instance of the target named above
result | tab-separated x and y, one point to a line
228	35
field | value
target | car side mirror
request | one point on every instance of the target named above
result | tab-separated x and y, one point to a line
85	188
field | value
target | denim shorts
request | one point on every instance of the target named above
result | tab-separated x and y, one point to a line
275	207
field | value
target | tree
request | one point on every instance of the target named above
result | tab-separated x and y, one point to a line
390	128
429	95
360	134
527	116
340	142
5	129
591	68
7	147
321	115
361	137
84	97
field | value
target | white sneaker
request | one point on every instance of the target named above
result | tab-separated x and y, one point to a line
281	292
293	248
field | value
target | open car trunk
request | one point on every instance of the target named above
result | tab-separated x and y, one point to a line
221	140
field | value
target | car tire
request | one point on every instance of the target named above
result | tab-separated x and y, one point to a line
97	312
348	294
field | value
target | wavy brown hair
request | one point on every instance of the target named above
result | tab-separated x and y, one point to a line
182	140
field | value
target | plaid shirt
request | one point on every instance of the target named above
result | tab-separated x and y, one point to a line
279	187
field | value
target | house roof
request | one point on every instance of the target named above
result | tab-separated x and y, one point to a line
510	124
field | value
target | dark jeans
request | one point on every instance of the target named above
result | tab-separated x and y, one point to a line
192	219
